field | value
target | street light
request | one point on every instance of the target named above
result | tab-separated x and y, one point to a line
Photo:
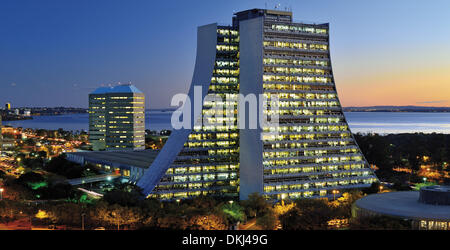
424	179
231	202
1	194
282	199
334	194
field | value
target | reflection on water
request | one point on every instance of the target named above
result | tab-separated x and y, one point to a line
364	122
398	122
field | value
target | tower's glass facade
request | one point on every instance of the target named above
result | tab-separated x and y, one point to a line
209	161
312	153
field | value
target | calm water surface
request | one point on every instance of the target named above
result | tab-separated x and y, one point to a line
364	122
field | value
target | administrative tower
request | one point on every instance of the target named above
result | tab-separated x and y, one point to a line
311	155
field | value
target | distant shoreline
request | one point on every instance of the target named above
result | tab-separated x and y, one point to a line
38	111
397	109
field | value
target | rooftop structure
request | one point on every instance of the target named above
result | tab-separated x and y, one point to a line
130	164
421	208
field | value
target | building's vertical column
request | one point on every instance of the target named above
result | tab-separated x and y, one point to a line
97	123
251	76
138	137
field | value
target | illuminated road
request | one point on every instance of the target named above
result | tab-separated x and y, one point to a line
248	225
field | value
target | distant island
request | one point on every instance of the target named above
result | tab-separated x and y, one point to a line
396	109
37	111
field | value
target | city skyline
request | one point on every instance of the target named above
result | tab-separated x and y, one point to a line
231	115
55	48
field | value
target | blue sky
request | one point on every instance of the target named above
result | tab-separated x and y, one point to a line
53	53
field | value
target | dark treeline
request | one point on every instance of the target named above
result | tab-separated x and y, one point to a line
405	151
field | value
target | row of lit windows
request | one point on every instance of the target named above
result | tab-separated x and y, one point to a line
279	86
203	169
193	186
324	192
276	145
299	29
300	112
326	177
300	79
225	190
287	70
299	104
209	136
286	154
211	144
292	45
216	101
434	225
277	188
320	128
299	96
222	88
215	128
227	32
220	112
227	40
227	63
224	80
234	72
277	61
293	137
227	48
204	177
291	162
327	168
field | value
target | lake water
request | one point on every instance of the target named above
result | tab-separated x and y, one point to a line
364	122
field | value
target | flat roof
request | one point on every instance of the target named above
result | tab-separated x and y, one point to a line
138	158
403	204
125	88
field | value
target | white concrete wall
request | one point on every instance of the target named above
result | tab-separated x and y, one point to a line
251	82
204	66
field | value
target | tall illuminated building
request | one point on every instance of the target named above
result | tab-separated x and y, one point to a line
117	118
313	152
203	160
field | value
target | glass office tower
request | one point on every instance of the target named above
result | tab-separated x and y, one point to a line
117	118
312	153
208	163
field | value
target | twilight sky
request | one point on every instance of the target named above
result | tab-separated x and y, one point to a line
53	52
